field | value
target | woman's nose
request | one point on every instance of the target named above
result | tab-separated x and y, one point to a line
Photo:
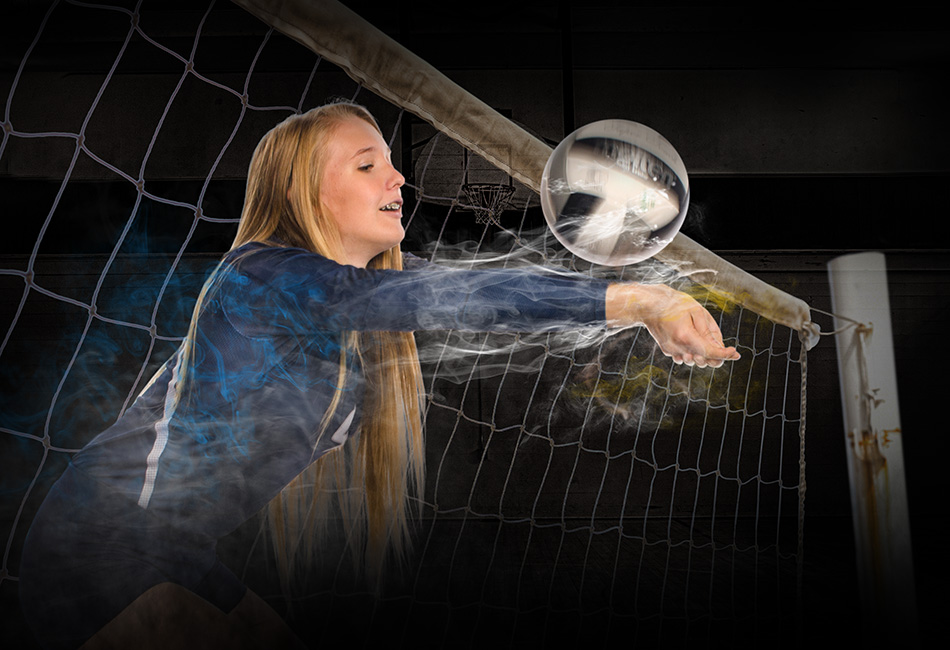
398	180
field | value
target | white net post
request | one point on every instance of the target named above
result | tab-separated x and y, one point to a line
873	436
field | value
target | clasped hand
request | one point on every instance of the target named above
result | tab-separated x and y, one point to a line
684	329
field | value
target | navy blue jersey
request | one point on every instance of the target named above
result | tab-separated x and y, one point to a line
208	443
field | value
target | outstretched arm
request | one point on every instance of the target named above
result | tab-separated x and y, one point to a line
681	326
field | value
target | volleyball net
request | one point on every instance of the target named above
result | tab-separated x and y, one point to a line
580	485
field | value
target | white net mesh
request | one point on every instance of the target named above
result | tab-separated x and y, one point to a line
579	488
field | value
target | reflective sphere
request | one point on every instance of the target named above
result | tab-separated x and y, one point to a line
614	192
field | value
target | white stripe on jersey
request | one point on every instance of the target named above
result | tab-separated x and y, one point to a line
339	436
161	437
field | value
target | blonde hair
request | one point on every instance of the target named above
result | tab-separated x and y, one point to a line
376	482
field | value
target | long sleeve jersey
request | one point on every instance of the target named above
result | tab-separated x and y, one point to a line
209	442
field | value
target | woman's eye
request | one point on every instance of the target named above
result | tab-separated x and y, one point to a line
366	168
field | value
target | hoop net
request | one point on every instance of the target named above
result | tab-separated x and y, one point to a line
488	200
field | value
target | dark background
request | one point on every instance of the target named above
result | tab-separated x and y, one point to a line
807	135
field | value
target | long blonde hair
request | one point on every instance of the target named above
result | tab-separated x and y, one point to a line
376	483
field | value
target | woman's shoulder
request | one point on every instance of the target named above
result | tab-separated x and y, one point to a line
254	256
262	250
266	258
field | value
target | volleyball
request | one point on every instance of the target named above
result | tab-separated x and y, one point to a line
614	192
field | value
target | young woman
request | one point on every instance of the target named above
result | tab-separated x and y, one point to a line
300	339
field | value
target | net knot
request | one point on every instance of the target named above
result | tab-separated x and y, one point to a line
810	334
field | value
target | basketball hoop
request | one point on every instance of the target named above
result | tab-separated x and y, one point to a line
488	200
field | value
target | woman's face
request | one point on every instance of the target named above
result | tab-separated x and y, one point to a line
360	191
